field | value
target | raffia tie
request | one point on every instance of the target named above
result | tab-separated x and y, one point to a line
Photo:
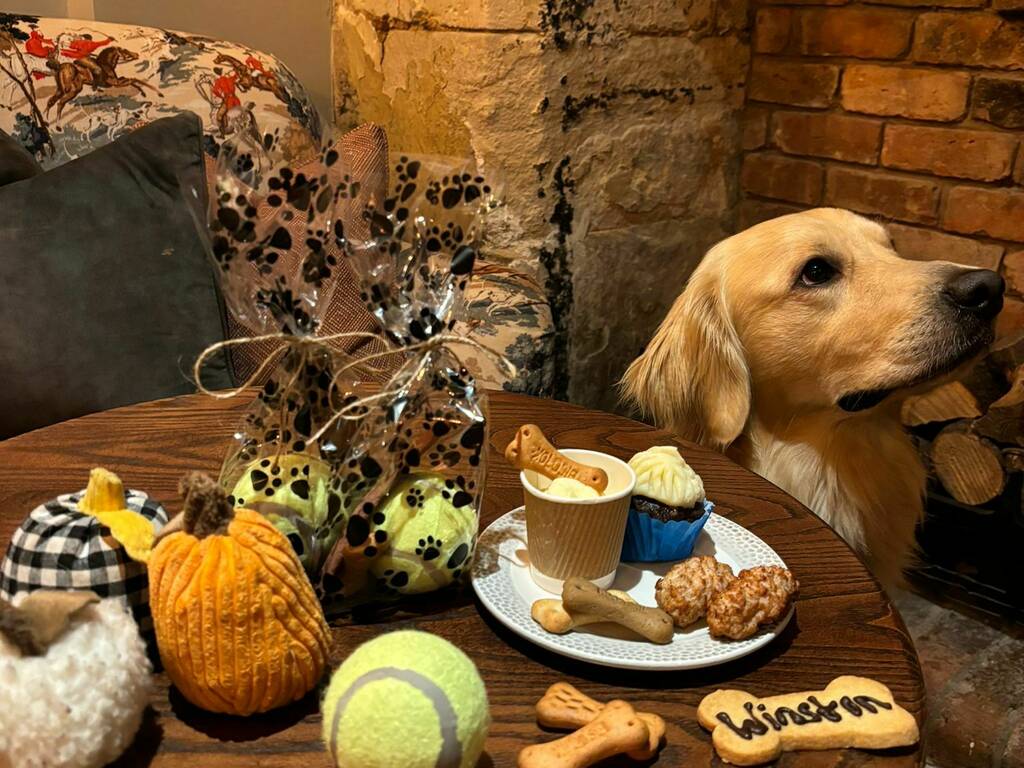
353	410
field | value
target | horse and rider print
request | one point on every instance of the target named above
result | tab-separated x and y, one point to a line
68	86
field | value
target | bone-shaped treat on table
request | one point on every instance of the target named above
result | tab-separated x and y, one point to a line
616	729
564	706
850	712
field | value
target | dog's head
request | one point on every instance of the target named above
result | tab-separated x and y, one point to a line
808	312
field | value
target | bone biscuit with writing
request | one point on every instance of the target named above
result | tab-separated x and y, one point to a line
850	712
564	706
615	730
554	463
529	449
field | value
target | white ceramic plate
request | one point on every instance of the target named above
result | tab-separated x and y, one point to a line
501	578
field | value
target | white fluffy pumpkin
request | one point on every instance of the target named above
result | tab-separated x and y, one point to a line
79	703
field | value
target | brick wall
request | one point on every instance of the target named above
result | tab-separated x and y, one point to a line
911	114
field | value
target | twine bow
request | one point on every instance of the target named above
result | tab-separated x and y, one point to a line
354	409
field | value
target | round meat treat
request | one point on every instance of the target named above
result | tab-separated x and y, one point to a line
758	596
684	591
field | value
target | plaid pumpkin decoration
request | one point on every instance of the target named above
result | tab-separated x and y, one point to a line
59	547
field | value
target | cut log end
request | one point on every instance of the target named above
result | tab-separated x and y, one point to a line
969	467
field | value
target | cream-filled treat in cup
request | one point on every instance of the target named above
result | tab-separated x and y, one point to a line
668	510
576	503
568	488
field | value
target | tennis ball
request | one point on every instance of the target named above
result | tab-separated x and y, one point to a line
429	526
406	699
293	492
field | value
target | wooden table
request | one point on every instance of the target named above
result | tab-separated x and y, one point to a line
844	623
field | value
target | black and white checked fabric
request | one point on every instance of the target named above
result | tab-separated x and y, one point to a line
58	547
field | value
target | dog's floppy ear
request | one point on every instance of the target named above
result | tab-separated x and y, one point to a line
693	378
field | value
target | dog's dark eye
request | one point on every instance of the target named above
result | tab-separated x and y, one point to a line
817	271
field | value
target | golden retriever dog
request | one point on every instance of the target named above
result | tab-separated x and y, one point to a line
791	348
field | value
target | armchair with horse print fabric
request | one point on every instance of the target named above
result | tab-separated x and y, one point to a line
69	86
99	71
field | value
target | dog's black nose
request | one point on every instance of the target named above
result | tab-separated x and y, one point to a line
978	291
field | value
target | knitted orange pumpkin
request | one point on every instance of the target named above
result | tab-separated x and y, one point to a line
238	626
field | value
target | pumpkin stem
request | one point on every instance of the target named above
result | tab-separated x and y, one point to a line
17	628
105	493
207	509
104	499
41	618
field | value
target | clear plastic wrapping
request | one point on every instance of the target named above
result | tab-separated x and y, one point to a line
378	487
413	474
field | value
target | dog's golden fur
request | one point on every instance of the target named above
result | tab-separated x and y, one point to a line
752	362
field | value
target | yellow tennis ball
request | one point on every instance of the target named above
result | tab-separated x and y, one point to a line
406	699
427	532
293	492
293	480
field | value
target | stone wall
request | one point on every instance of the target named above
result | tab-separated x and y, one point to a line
913	115
614	123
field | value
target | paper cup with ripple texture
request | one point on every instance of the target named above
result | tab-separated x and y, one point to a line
577	537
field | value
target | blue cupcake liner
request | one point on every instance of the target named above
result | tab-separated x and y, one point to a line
649	540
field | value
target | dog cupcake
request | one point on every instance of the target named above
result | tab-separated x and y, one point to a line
668	508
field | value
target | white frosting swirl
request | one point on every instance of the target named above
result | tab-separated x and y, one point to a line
663	475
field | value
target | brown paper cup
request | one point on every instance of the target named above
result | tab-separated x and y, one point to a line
577	537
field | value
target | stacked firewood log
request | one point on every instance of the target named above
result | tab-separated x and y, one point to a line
982	440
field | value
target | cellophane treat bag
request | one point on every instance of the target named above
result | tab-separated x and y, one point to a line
375	479
411	476
276	235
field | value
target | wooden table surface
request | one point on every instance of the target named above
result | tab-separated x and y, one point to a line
844	623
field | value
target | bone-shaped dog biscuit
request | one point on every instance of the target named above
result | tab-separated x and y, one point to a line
554	618
581	596
529	449
616	729
564	706
850	712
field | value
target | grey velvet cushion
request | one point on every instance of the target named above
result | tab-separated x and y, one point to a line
15	161
106	296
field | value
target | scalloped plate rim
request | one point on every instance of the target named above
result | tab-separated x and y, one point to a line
527	629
